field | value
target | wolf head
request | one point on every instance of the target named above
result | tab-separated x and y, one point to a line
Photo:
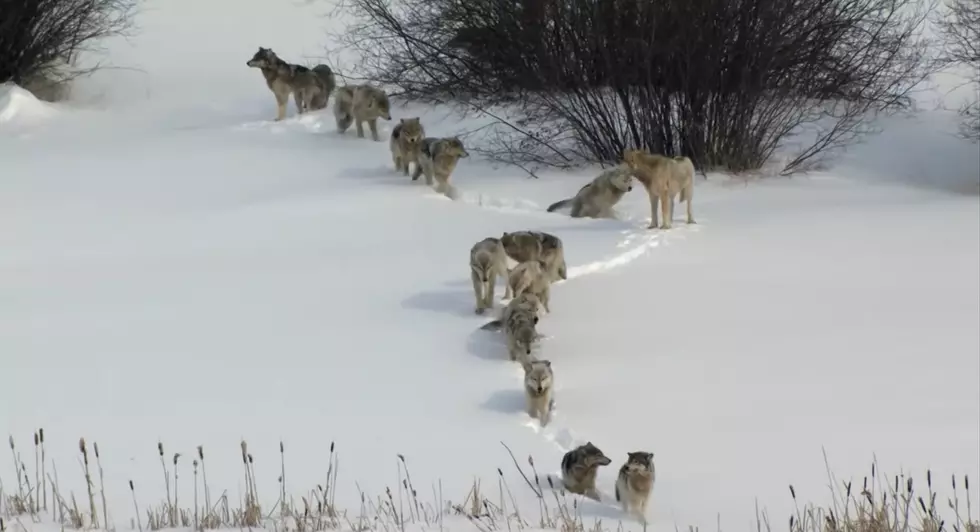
638	462
453	146
538	376
592	456
525	335
411	130
622	179
264	58
378	102
633	158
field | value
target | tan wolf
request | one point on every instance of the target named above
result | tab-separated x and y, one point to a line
663	177
522	246
310	87
579	468
538	389
532	276
487	262
635	483
356	104
598	197
405	143
437	160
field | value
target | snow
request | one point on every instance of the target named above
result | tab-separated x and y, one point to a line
175	266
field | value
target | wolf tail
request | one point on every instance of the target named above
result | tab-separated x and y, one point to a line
559	205
494	325
327	77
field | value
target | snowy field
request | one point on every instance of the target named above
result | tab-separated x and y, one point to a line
176	267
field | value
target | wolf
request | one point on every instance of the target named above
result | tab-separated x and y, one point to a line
487	262
406	142
522	246
635	483
526	302
538	389
520	327
356	104
598	197
531	276
310	87
663	177
437	160
579	468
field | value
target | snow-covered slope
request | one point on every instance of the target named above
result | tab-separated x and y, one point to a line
182	268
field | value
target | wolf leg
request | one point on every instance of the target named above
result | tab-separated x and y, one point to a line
478	292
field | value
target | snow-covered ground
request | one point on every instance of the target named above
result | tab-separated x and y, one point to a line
175	266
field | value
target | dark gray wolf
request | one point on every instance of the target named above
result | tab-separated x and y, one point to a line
579	468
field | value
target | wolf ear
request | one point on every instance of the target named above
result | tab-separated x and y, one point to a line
401	120
546	363
527	366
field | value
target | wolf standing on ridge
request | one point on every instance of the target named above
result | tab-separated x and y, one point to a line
356	104
310	88
664	178
598	197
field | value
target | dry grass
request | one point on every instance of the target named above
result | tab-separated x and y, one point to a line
880	504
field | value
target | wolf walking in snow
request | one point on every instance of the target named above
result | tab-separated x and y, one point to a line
520	328
635	483
526	302
532	276
310	88
356	104
579	468
522	246
664	178
437	160
598	197
538	389
406	143
487	262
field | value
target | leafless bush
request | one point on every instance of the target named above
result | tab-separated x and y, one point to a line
726	82
40	40
960	29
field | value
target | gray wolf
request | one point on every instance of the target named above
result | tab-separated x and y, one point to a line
598	197
538	389
526	302
487	262
531	276
663	177
356	104
310	87
520	328
579	468
406	143
635	483
437	160
523	246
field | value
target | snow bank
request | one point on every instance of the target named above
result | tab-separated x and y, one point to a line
20	107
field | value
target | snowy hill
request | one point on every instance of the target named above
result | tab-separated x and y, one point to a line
178	267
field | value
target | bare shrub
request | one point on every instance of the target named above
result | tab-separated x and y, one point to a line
960	28
726	82
40	40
